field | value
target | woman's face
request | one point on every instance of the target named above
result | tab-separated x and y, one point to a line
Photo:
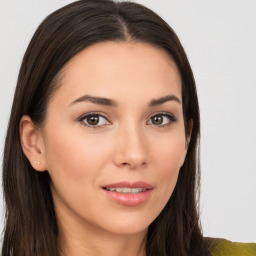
114	137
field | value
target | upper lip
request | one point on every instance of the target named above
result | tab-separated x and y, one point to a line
128	184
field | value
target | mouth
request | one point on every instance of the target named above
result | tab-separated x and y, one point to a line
126	190
128	193
128	187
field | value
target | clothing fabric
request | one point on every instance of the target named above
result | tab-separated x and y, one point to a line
223	247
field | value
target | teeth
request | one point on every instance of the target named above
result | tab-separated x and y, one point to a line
119	190
137	190
126	190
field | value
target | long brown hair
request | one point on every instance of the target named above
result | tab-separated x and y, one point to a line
31	228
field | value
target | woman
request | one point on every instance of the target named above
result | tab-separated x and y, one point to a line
101	150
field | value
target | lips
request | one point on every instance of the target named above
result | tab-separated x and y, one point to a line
127	184
128	193
126	190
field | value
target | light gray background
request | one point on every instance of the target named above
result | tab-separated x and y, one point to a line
220	40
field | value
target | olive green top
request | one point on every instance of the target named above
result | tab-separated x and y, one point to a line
223	247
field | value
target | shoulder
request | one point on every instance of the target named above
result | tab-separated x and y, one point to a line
223	247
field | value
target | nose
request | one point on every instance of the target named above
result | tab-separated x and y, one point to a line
131	148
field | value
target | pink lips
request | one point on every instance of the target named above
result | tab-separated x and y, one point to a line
132	198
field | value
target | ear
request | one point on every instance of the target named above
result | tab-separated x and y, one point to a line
32	143
190	129
187	140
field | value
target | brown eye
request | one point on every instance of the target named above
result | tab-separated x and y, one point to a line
94	120
157	120
162	119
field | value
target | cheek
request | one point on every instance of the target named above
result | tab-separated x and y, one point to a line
75	164
171	152
170	156
73	157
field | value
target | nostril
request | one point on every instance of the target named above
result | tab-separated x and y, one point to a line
130	157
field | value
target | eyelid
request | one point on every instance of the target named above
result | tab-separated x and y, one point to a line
82	117
169	115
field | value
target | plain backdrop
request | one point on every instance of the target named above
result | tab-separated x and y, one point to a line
220	40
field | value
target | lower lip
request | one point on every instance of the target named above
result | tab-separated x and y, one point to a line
128	199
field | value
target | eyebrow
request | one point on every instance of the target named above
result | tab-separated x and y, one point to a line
109	102
164	99
95	100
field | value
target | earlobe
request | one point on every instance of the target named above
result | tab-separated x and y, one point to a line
32	143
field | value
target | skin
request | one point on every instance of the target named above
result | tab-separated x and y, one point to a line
126	145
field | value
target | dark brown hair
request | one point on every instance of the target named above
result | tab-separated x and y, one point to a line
31	228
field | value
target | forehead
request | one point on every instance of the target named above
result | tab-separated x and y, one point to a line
119	70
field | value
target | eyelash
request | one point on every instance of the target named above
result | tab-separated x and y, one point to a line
171	117
93	114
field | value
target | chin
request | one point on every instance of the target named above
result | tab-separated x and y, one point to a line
124	229
128	224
